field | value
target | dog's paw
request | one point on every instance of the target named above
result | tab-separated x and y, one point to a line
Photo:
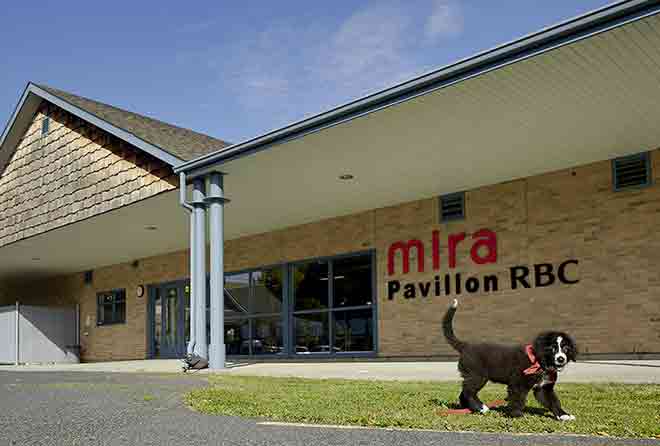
484	408
566	417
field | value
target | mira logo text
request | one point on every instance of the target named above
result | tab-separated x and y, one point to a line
483	250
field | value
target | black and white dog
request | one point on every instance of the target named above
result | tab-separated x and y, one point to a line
521	367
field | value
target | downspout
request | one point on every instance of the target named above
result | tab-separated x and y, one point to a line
193	315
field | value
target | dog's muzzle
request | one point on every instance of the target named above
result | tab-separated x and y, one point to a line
560	360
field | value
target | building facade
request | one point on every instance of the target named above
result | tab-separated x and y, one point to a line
564	237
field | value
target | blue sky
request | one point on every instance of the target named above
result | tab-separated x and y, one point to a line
238	69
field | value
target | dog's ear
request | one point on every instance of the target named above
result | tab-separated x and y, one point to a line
572	349
541	348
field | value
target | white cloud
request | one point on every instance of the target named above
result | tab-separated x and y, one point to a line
446	19
372	38
292	68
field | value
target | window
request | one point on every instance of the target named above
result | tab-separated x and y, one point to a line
333	308
111	307
318	306
253	312
452	207
632	171
45	125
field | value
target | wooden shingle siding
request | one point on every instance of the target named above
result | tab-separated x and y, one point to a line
73	172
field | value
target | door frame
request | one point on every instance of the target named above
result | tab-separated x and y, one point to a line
180	336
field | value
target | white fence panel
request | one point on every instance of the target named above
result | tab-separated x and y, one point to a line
8	334
47	334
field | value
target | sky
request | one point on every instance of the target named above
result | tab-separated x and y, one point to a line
235	70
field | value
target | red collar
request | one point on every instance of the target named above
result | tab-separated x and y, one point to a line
535	367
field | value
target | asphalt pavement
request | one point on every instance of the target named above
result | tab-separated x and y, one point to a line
91	408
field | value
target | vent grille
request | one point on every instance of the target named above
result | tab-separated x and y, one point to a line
452	207
631	171
45	125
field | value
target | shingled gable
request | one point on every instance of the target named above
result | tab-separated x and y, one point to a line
167	142
90	159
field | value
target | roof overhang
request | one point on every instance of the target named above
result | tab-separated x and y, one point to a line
549	39
29	103
589	98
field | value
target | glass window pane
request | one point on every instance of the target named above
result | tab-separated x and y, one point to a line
120	312
310	286
352	281
237	293
312	333
186	313
353	330
100	314
267	297
158	320
267	336
237	337
171	317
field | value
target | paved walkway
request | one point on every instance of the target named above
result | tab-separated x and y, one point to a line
587	371
121	409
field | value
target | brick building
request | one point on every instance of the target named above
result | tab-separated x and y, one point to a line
522	180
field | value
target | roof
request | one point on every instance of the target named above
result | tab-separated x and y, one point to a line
169	143
548	39
180	142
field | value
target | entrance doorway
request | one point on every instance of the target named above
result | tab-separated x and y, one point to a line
169	311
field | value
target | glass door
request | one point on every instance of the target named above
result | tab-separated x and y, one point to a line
170	316
170	320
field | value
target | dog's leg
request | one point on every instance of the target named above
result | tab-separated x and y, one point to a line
472	384
463	401
545	394
517	397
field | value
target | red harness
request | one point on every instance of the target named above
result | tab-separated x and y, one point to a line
535	368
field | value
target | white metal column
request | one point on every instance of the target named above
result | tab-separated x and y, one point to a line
217	200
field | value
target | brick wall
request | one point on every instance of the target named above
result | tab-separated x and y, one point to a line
569	214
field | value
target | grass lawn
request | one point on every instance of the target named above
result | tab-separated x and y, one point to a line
601	409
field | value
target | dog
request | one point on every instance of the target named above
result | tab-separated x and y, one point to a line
521	367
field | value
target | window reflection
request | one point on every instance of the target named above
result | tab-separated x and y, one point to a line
237	337
267	336
311	333
237	294
352	281
267	297
310	281
353	330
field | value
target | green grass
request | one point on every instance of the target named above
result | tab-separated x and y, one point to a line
601	409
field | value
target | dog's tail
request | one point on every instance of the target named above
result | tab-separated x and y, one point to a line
448	329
